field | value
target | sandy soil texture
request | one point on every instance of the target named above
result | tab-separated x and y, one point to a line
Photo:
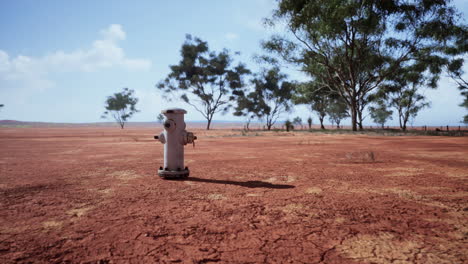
92	195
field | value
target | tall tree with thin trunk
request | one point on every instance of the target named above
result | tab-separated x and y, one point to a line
297	121
352	47
121	106
271	96
317	98
379	112
403	93
337	110
408	102
204	79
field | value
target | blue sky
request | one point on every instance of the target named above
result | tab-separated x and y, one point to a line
59	60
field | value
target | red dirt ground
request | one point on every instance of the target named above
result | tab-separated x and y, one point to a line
92	195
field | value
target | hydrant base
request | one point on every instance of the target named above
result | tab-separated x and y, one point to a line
168	174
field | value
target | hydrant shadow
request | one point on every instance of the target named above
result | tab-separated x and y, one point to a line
248	184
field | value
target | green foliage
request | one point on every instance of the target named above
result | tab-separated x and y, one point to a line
337	110
289	125
297	121
314	95
380	113
353	47
207	75
271	96
408	103
402	93
455	68
160	118
121	106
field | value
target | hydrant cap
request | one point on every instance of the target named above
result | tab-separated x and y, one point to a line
174	111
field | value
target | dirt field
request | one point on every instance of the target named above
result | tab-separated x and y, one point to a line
78	195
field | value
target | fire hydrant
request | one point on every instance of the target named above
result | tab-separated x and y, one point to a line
174	137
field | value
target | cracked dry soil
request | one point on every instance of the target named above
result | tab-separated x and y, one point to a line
91	195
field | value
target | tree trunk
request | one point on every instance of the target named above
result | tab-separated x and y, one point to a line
208	124
353	115
359	114
405	121
399	120
321	122
122	124
269	127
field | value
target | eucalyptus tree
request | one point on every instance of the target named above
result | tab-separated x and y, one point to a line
297	121
337	110
270	97
408	102
459	50
379	112
121	106
206	80
352	47
456	72
403	93
318	99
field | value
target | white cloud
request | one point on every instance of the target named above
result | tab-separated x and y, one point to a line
103	53
231	36
114	31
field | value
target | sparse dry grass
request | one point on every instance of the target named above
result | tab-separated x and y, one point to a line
52	224
314	190
381	248
216	196
79	212
125	175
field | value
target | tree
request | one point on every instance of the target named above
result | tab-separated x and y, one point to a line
352	47
318	99
380	113
309	122
408	103
289	125
207	75
121	106
337	110
297	121
271	96
160	118
456	72
458	50
403	94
